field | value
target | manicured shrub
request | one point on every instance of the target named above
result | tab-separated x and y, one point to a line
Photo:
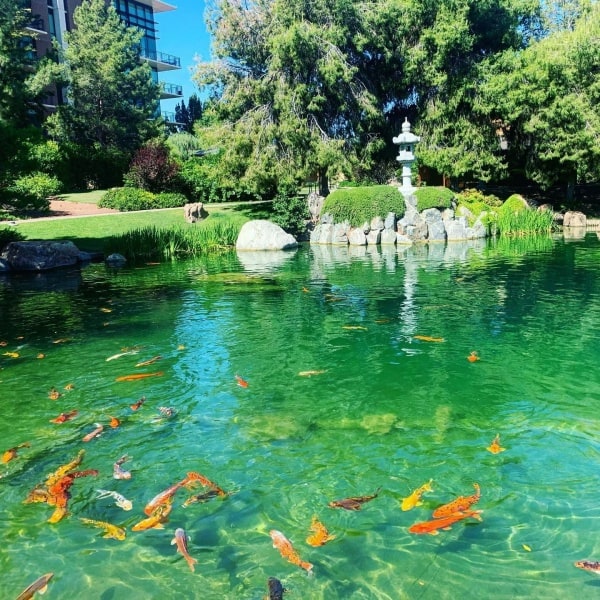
31	192
127	199
290	213
170	200
433	197
360	204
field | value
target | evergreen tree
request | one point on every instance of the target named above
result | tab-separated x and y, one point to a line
182	116
16	64
194	110
111	95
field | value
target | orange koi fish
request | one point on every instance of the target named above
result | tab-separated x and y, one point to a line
64	417
445	523
241	382
591	566
156	519
114	422
110	531
95	433
495	447
118	471
427	338
148	362
167	495
320	536
54	394
137	376
415	498
181	540
40	585
11	453
138	404
287	550
353	503
473	357
461	504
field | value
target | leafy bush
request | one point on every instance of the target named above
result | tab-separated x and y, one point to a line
471	195
170	200
513	204
9	234
360	204
433	197
202	181
127	199
290	213
151	168
94	168
31	192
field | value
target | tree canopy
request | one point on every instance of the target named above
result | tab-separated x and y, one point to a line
321	86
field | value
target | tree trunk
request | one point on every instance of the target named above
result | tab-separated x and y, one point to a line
323	183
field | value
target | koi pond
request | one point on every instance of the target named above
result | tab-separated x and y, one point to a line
283	382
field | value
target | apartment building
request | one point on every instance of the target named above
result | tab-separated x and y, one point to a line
52	18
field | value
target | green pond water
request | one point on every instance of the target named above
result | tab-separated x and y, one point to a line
388	410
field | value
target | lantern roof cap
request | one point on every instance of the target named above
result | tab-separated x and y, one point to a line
406	137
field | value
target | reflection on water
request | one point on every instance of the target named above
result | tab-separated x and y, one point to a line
342	398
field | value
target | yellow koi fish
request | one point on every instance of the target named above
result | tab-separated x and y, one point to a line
415	498
427	338
320	536
137	376
111	531
156	519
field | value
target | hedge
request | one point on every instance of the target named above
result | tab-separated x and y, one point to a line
360	204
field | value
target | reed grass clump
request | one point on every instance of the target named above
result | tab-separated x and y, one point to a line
171	243
516	217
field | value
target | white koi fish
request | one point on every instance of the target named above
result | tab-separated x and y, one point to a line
115	356
120	500
181	540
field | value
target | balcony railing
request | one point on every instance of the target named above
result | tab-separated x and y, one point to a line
162	60
36	24
171	90
169	117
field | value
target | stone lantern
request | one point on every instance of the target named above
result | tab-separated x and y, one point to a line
407	142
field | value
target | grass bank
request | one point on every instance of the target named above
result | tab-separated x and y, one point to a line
96	233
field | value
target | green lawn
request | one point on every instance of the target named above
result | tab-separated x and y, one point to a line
92	197
89	233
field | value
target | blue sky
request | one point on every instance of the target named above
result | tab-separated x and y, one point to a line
182	32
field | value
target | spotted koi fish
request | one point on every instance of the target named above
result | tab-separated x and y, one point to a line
354	502
461	504
287	551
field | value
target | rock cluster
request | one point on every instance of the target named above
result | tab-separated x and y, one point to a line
430	225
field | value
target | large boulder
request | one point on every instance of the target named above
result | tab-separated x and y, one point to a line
264	235
574	218
41	255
